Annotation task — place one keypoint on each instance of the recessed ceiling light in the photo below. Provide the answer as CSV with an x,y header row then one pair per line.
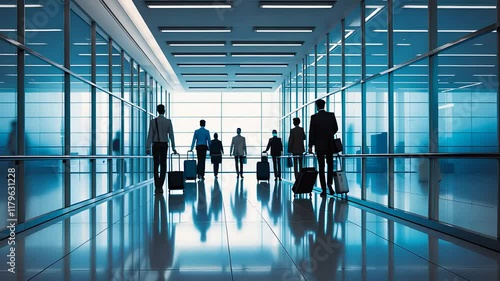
x,y
32,30
187,5
196,43
283,29
467,55
88,43
201,65
208,88
209,81
425,30
199,55
195,29
37,44
403,44
267,43
297,5
263,65
252,88
255,81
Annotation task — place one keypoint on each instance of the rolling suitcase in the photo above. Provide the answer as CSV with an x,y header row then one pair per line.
x,y
340,179
263,172
175,178
176,203
305,182
190,167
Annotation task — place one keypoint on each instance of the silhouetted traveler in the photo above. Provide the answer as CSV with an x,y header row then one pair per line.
x,y
296,145
201,217
161,251
239,150
216,151
276,147
160,130
239,204
322,129
201,138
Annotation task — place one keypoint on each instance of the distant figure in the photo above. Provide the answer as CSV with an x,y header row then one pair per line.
x,y
160,130
239,150
296,145
117,152
239,204
201,138
322,129
216,151
201,217
276,148
161,251
215,202
12,141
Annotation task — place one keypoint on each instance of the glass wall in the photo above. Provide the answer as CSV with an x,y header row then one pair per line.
x,y
67,119
406,97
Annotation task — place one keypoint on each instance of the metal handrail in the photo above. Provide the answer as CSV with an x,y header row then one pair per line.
x,y
394,155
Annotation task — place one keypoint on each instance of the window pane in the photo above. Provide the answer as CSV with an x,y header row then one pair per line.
x,y
9,19
410,31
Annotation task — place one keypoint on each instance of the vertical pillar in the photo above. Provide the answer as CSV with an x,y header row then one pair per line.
x,y
21,115
498,114
433,114
93,114
327,47
110,115
315,71
121,173
390,93
67,103
363,100
342,94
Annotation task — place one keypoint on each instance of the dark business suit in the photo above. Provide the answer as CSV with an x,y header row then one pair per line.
x,y
296,147
322,129
216,151
276,148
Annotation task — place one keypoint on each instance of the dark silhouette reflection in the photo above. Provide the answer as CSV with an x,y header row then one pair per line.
x,y
200,214
216,201
239,203
190,191
176,203
325,248
263,194
161,250
301,218
276,206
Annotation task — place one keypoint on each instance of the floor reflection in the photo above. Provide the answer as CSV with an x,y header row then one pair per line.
x,y
230,229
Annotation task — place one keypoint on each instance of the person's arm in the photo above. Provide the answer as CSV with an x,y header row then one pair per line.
x,y
194,139
335,125
231,147
208,138
171,135
281,145
312,131
245,145
151,133
221,148
290,142
268,145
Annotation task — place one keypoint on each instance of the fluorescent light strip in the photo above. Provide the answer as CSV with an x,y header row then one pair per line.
x,y
195,29
194,55
88,44
26,6
467,55
284,29
373,14
99,55
285,5
37,44
199,44
484,75
33,30
204,75
255,81
261,55
358,44
403,44
258,74
187,5
202,65
449,7
263,65
264,44
425,30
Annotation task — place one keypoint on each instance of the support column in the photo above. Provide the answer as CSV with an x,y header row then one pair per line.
x,y
342,94
327,71
363,100
67,103
390,92
433,114
93,114
21,116
110,115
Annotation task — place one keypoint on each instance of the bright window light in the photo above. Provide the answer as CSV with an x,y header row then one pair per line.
x,y
187,5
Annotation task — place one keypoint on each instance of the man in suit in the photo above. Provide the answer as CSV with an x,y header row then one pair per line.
x,y
276,148
202,139
322,129
160,130
239,150
296,145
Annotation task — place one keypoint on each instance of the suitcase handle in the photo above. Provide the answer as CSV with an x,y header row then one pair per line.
x,y
339,162
264,154
192,154
171,161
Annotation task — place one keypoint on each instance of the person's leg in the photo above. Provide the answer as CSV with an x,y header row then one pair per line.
x,y
275,160
216,169
156,164
163,165
236,165
301,162
198,158
202,159
241,166
295,166
321,168
278,159
329,161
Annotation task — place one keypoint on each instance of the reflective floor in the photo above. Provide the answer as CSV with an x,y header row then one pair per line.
x,y
229,229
